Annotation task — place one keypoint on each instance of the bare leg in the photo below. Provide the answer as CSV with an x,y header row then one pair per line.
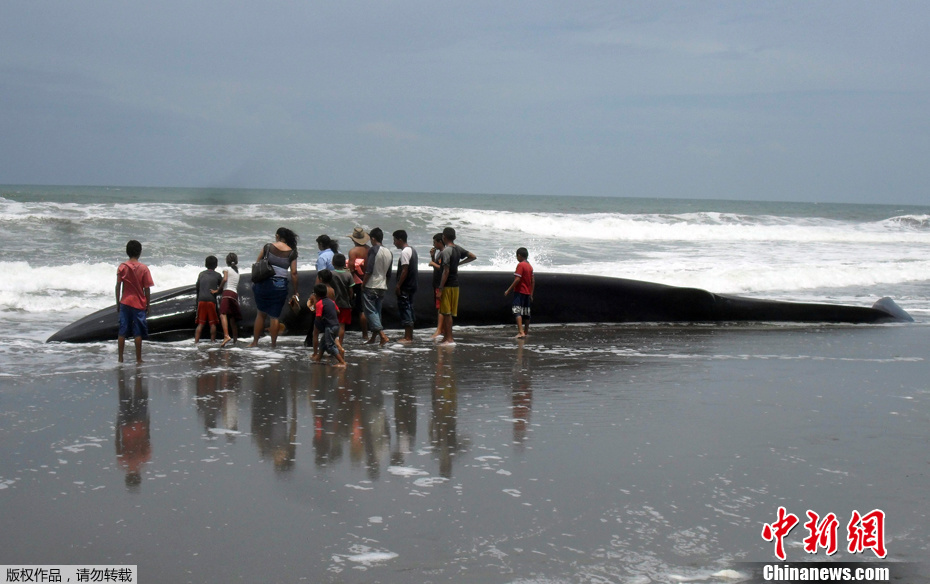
x,y
520,333
447,330
408,335
439,327
363,323
138,342
275,329
121,346
212,333
225,322
258,328
197,332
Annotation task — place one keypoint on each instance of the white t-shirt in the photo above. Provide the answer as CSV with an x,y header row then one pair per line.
x,y
232,280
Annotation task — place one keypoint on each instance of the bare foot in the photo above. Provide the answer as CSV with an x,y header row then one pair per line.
x,y
339,364
252,345
385,340
405,341
225,342
520,336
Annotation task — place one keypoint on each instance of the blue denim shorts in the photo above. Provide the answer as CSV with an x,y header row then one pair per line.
x,y
405,308
132,322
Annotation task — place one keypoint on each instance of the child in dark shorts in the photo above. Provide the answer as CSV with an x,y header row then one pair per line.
x,y
523,286
343,285
327,322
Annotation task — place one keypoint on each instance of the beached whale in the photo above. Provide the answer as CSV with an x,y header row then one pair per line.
x,y
559,298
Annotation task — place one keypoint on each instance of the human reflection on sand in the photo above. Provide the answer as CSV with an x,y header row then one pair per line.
x,y
522,395
349,410
274,417
443,423
366,415
133,428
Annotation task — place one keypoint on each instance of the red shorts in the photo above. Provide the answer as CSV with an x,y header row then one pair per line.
x,y
345,316
206,313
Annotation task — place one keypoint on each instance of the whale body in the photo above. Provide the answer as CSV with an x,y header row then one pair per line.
x,y
558,298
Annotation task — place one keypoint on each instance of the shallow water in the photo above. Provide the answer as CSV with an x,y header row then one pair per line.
x,y
584,454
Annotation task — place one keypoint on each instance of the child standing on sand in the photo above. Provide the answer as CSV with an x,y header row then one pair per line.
x,y
327,321
133,288
344,286
208,284
523,286
435,255
229,303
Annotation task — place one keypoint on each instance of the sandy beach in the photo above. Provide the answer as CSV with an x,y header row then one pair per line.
x,y
583,454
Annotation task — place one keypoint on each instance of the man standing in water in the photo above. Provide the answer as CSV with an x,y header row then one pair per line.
x,y
406,283
377,273
452,257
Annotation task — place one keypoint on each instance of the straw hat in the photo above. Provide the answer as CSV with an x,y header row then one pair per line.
x,y
359,236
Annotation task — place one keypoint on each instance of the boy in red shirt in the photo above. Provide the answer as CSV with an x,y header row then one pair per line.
x,y
133,286
522,286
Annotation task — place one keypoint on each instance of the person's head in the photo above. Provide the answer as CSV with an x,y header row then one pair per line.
x,y
326,242
320,291
437,241
400,238
359,237
287,236
522,254
325,276
339,261
210,262
376,235
133,249
448,235
232,260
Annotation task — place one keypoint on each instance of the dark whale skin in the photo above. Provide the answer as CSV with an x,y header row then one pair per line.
x,y
559,298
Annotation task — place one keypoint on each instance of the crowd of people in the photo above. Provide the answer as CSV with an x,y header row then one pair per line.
x,y
347,287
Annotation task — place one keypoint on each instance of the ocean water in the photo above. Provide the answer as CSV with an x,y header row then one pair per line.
x,y
62,244
639,453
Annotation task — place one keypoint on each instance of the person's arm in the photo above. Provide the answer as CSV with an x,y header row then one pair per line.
x,y
148,299
470,257
402,275
516,280
119,289
445,276
532,286
222,283
294,280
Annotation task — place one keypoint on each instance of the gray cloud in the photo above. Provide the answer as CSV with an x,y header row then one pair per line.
x,y
818,101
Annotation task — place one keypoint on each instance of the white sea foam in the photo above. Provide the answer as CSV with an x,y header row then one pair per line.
x,y
764,254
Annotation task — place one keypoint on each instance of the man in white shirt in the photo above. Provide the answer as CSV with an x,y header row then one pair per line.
x,y
374,285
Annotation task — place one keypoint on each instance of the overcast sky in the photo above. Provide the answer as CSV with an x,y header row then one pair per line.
x,y
809,101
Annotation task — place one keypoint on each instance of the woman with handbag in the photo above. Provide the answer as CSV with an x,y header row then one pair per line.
x,y
271,292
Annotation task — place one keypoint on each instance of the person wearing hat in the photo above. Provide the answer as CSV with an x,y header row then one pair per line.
x,y
356,264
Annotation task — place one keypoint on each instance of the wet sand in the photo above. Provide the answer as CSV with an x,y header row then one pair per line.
x,y
582,454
